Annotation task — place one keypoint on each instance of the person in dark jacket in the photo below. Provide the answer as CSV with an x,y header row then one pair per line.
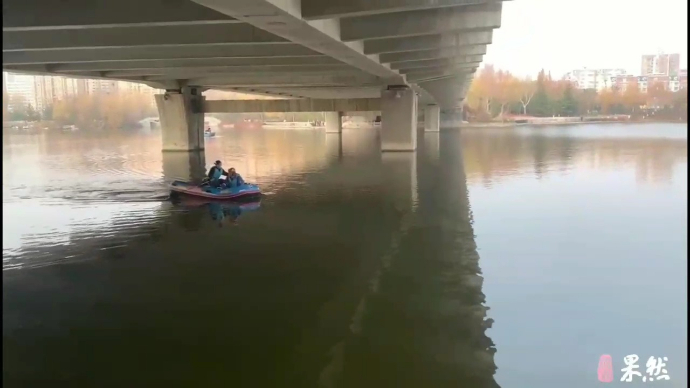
x,y
214,174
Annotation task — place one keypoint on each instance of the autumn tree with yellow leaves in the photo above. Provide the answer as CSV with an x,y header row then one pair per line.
x,y
495,93
110,111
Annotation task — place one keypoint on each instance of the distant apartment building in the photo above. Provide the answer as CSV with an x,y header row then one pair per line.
x,y
132,87
660,65
20,89
597,79
99,86
102,86
670,83
624,82
49,89
41,91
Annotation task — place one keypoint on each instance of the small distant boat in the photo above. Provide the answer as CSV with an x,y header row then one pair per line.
x,y
245,191
209,134
70,128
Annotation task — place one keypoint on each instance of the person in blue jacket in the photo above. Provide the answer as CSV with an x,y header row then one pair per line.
x,y
214,174
234,179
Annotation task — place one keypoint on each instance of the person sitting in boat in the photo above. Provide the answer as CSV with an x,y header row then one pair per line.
x,y
215,173
208,130
234,179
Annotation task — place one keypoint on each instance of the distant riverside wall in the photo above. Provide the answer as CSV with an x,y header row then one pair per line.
x,y
620,119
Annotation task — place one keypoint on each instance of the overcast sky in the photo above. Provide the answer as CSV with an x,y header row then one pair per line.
x,y
562,35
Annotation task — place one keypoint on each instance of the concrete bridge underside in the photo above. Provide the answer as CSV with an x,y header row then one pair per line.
x,y
424,51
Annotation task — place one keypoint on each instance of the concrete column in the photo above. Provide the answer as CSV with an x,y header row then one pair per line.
x,y
451,119
432,118
186,166
334,122
416,112
182,119
399,119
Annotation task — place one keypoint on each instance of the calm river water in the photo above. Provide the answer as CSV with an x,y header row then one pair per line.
x,y
491,257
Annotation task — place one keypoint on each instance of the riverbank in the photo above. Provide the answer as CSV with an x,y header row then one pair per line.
x,y
563,123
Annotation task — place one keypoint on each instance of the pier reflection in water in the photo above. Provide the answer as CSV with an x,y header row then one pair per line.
x,y
422,321
358,269
334,146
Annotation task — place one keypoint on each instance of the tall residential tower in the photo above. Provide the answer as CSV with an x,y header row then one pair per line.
x,y
660,64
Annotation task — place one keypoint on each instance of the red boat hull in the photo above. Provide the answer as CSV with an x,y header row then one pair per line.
x,y
243,192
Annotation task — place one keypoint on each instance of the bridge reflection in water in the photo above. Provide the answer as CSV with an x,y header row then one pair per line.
x,y
420,320
361,273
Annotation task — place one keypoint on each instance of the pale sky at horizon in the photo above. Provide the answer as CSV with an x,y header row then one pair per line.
x,y
563,35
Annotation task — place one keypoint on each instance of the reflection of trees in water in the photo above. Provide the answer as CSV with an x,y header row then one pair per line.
x,y
539,149
655,165
491,155
254,153
7,148
88,153
264,153
565,150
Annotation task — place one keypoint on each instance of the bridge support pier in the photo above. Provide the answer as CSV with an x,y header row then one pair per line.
x,y
186,166
452,119
432,118
334,122
398,119
182,119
